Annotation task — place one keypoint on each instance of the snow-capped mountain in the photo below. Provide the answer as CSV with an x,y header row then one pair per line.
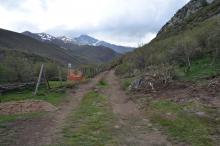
x,y
46,37
88,40
63,41
68,42
40,36
66,39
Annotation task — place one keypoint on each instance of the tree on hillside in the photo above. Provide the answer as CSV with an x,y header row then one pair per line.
x,y
214,43
184,51
17,69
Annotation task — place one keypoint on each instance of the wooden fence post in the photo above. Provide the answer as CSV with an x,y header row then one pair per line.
x,y
45,78
39,79
60,76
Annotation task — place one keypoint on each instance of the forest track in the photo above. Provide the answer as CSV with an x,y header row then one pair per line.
x,y
46,129
132,125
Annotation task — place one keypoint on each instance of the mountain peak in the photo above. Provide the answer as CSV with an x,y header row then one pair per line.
x,y
86,40
26,32
46,37
85,36
66,39
83,39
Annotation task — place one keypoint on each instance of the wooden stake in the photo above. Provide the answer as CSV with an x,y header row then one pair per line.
x,y
39,79
60,76
45,78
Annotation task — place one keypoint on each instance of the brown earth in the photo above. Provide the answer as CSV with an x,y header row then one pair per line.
x,y
132,128
26,106
207,93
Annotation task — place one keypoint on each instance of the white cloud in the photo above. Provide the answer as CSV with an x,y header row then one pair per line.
x,y
123,21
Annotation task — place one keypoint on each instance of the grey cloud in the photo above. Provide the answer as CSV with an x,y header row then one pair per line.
x,y
126,26
11,4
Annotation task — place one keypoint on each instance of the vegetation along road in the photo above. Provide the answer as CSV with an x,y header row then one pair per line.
x,y
101,112
96,113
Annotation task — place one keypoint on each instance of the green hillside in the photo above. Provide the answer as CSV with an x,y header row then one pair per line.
x,y
181,42
21,57
19,42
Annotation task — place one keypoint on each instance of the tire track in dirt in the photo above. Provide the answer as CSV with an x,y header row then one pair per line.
x,y
46,130
131,127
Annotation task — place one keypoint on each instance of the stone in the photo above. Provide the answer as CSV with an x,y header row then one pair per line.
x,y
200,114
210,1
190,8
116,126
149,125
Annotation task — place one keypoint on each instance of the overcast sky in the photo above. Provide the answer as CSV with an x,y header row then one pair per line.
x,y
125,22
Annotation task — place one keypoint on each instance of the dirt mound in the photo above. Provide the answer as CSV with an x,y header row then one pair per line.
x,y
26,106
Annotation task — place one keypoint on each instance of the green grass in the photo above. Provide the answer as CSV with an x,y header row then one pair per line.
x,y
126,83
91,124
51,96
200,69
102,84
58,84
181,125
11,118
5,119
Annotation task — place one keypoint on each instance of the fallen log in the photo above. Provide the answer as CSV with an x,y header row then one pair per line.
x,y
15,86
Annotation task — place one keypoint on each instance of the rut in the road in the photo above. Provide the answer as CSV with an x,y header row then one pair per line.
x,y
132,125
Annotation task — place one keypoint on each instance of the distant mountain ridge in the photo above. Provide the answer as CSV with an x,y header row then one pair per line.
x,y
81,40
88,40
55,49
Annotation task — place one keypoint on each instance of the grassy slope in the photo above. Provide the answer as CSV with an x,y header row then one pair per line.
x,y
201,69
171,46
183,125
19,42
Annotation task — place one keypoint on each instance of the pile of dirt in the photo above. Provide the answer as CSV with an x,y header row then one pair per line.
x,y
182,92
25,106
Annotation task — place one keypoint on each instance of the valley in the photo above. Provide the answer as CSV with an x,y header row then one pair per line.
x,y
92,114
95,93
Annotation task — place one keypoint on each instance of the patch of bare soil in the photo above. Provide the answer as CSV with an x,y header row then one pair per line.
x,y
132,128
207,93
46,129
25,106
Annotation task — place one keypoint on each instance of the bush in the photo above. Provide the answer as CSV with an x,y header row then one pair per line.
x,y
124,69
18,67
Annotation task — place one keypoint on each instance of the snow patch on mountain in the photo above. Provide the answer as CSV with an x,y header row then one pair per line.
x,y
46,37
81,40
66,39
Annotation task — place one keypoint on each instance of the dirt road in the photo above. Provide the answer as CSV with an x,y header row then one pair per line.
x,y
132,128
45,130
